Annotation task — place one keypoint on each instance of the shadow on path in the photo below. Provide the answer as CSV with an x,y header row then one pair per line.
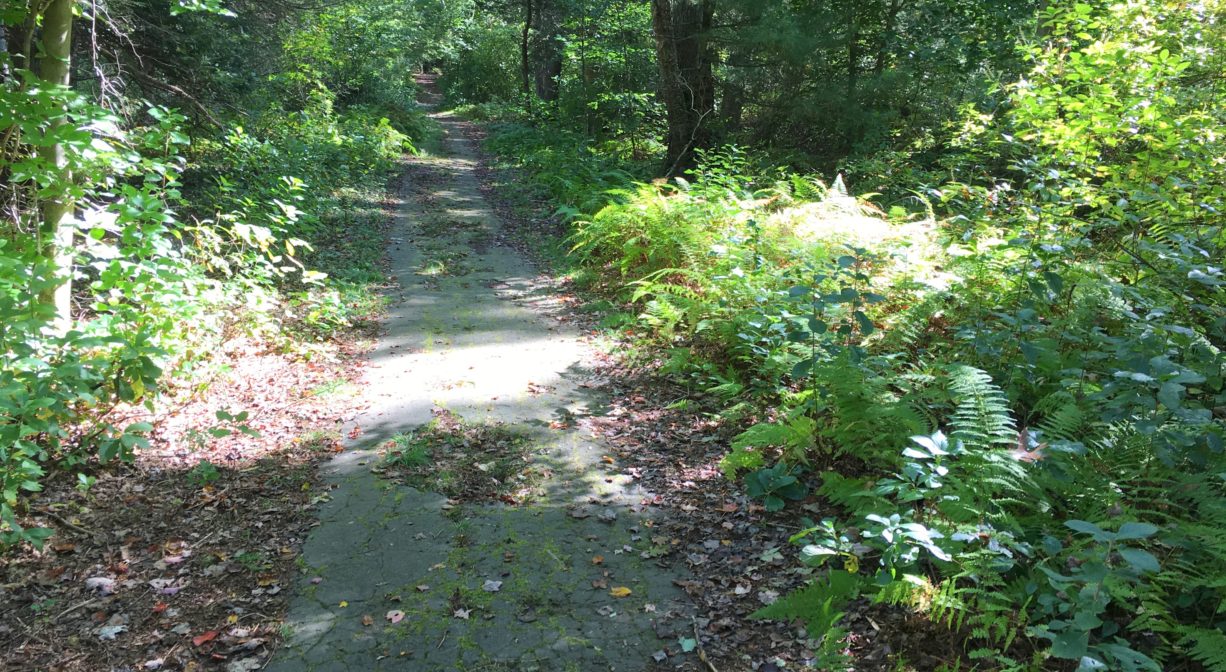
x,y
469,331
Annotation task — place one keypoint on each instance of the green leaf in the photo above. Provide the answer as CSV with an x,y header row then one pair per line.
x,y
1136,531
1071,644
1140,560
866,325
1054,281
1086,527
37,536
1171,395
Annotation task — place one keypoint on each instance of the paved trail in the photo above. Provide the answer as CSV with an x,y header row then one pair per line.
x,y
469,331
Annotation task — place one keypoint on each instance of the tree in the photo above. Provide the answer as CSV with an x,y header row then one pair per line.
x,y
525,63
547,49
55,229
687,86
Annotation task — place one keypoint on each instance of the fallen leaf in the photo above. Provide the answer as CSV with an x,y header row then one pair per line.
x,y
620,591
368,620
215,570
395,616
344,603
422,588
108,633
244,665
232,619
598,560
462,613
204,638
102,584
491,586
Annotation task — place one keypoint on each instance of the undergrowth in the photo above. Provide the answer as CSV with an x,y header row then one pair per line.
x,y
1022,380
269,222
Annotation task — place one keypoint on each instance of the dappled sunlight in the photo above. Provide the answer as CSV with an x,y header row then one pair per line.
x,y
477,390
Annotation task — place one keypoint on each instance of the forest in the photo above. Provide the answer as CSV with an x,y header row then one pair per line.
x,y
899,327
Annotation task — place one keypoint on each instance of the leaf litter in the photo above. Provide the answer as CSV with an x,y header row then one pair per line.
x,y
177,560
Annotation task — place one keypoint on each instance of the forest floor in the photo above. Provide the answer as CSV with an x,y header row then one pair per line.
x,y
489,485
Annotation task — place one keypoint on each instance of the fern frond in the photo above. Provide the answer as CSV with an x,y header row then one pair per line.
x,y
1207,647
1062,417
981,418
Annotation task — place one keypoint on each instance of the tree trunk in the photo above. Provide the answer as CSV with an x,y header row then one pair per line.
x,y
547,49
853,54
19,41
55,232
547,74
687,86
732,107
524,54
887,36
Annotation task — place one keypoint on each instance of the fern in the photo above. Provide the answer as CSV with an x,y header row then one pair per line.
x,y
1207,646
947,605
981,418
794,436
1062,417
818,604
866,417
854,494
806,188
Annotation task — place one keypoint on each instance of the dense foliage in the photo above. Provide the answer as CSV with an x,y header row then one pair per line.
x,y
178,228
1002,374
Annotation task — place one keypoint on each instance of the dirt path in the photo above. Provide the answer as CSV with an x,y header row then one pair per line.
x,y
472,583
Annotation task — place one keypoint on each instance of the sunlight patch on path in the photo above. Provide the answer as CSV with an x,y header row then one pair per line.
x,y
466,332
